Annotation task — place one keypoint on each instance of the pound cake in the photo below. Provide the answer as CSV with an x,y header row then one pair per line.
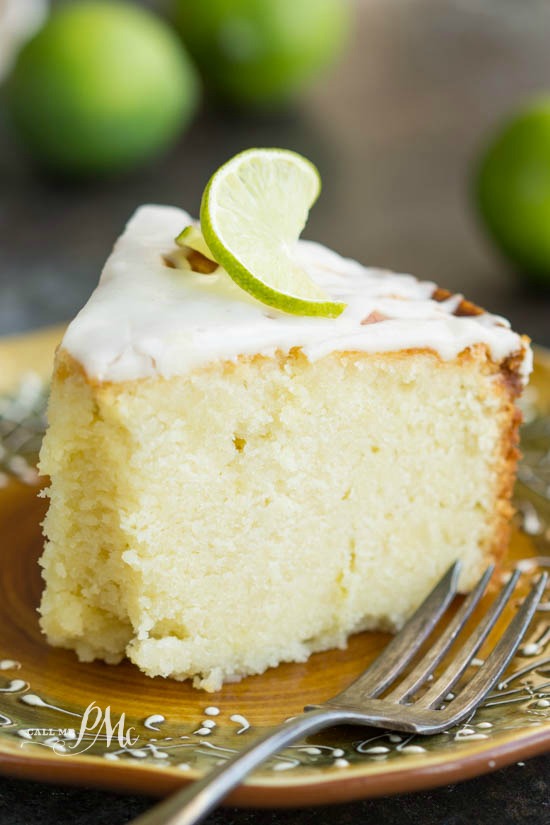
x,y
233,486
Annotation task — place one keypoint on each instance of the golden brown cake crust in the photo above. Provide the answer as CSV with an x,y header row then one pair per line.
x,y
506,470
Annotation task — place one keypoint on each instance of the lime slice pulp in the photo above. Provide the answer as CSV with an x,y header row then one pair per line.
x,y
252,213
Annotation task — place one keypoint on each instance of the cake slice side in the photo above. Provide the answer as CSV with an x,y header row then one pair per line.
x,y
83,603
214,524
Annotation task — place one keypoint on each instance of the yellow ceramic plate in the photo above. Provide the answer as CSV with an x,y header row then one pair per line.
x,y
179,733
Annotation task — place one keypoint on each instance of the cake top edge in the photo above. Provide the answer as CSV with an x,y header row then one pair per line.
x,y
148,318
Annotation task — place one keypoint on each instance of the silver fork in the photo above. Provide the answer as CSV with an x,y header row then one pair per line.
x,y
358,704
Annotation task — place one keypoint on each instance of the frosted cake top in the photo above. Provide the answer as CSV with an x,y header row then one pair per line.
x,y
146,318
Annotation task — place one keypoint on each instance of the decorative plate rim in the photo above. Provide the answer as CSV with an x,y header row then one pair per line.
x,y
353,785
325,785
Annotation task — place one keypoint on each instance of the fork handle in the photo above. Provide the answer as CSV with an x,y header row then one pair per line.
x,y
192,804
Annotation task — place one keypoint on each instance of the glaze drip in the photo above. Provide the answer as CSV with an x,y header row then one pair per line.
x,y
146,318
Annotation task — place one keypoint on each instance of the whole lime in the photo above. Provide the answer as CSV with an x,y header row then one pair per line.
x,y
261,52
513,190
101,87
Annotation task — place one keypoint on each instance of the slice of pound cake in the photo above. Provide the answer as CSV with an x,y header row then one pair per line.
x,y
233,486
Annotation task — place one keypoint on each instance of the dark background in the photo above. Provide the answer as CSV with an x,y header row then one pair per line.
x,y
395,130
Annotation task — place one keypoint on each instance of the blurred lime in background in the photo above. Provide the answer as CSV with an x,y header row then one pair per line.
x,y
101,87
261,52
513,190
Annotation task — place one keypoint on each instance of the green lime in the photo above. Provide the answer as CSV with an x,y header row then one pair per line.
x,y
261,52
101,87
513,190
252,212
193,238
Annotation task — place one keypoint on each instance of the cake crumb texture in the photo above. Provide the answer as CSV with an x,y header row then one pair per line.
x,y
214,524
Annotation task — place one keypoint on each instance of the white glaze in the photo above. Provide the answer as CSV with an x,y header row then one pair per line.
x,y
531,649
146,319
35,701
153,721
240,720
14,686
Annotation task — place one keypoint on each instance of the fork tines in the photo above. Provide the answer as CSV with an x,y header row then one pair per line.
x,y
384,673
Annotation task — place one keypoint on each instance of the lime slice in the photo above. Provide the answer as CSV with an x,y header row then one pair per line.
x,y
252,212
192,237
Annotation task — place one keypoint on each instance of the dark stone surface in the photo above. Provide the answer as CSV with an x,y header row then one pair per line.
x,y
395,131
519,795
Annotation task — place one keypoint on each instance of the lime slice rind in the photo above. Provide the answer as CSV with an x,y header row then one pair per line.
x,y
192,237
252,212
